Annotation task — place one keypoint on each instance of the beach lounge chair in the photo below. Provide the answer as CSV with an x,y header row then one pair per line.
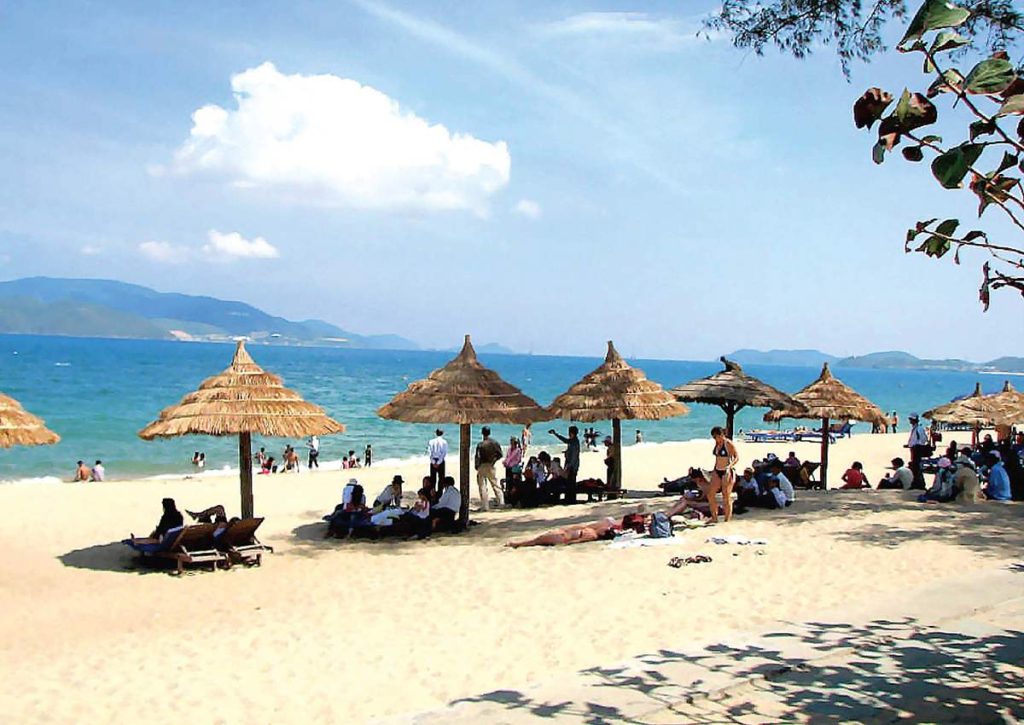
x,y
238,540
840,430
195,545
595,487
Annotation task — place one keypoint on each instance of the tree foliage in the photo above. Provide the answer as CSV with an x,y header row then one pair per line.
x,y
987,100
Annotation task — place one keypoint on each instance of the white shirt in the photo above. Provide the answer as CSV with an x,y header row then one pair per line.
x,y
97,472
904,475
450,499
387,497
787,488
346,493
437,448
314,444
918,436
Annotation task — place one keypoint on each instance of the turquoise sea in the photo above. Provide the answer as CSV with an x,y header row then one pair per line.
x,y
97,394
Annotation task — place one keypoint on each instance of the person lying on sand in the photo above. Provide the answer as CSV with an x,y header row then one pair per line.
x,y
581,533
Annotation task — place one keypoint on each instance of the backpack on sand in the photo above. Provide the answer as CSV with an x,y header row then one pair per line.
x,y
661,526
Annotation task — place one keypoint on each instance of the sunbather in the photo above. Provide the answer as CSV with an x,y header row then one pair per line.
x,y
171,519
578,534
723,478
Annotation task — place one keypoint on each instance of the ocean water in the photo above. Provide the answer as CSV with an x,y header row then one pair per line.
x,y
97,394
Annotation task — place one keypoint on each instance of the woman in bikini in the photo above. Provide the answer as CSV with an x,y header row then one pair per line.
x,y
578,534
723,478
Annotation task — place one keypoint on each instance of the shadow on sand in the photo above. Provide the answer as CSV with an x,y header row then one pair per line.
x,y
114,556
887,671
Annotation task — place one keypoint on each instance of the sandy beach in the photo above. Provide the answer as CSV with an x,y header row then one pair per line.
x,y
361,631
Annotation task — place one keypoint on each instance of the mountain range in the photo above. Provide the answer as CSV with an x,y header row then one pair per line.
x,y
892,359
107,308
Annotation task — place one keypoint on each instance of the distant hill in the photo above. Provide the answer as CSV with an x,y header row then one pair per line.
x,y
107,308
890,360
798,358
489,348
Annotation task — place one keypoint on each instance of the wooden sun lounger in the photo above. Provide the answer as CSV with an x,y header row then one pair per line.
x,y
239,541
194,545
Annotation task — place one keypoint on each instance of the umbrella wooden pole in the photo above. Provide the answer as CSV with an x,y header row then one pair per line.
x,y
617,443
824,454
464,432
731,409
245,473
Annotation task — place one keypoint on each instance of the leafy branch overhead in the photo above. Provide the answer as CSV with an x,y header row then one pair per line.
x,y
991,95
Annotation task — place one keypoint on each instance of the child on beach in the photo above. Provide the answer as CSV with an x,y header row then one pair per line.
x,y
854,478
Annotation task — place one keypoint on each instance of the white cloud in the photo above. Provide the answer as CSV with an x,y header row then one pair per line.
x,y
164,252
657,33
331,140
233,245
90,251
528,208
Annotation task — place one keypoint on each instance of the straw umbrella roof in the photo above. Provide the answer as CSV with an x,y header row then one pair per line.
x,y
976,409
733,386
242,399
615,390
828,397
18,427
1010,403
463,392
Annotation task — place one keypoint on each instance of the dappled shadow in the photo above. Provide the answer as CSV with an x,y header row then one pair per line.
x,y
821,673
114,556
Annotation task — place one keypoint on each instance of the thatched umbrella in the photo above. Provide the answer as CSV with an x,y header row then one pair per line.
x,y
1010,403
828,398
463,392
616,391
732,390
976,409
18,427
242,400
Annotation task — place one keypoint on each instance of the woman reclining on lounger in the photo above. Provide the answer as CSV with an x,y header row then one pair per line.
x,y
578,534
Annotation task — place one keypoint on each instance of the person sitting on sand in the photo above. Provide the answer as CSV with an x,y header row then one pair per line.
x,y
98,473
446,511
350,515
171,519
576,534
783,483
390,497
82,473
792,461
854,478
998,486
269,466
417,519
943,489
966,481
900,478
748,492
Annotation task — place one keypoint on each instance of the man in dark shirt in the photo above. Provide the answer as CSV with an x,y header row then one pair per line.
x,y
572,460
171,519
488,452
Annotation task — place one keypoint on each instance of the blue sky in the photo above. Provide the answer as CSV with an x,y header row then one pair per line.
x,y
547,175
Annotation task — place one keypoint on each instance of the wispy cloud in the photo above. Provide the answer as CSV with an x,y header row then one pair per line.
x,y
90,250
163,252
233,245
514,72
528,208
640,29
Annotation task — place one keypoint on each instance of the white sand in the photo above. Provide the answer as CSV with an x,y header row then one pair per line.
x,y
350,631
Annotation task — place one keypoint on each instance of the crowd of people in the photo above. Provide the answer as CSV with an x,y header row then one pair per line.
x,y
435,508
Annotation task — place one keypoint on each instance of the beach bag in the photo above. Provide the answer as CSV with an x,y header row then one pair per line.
x,y
661,526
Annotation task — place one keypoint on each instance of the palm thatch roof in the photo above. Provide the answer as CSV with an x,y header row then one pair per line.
x,y
463,392
828,397
18,427
976,409
735,387
1010,403
615,390
242,399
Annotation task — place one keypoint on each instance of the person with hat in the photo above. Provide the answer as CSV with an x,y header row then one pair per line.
x,y
391,496
920,447
437,449
944,487
998,486
965,480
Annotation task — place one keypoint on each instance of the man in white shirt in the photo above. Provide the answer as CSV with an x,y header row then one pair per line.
x,y
901,477
391,496
313,444
98,472
920,447
785,485
445,512
437,449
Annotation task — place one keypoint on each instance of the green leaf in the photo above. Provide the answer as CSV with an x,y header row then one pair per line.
x,y
990,76
951,81
947,227
934,14
934,246
878,152
982,128
948,40
951,167
913,153
1008,161
914,111
1012,106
